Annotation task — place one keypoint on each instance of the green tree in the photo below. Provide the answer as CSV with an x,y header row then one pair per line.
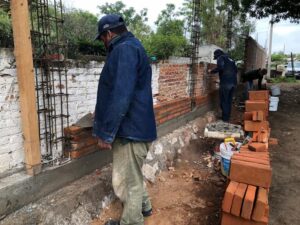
x,y
241,28
214,16
80,28
5,29
164,46
278,58
169,39
80,25
278,9
136,22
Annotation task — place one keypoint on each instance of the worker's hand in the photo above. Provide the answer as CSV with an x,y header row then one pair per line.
x,y
209,71
103,145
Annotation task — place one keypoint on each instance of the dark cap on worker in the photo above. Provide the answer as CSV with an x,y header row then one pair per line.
x,y
108,22
218,53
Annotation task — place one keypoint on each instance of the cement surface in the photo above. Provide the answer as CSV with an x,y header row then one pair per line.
x,y
76,203
20,189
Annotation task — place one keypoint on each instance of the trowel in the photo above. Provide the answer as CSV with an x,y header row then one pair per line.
x,y
86,121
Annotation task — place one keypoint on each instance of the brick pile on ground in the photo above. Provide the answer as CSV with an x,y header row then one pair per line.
x,y
80,142
246,197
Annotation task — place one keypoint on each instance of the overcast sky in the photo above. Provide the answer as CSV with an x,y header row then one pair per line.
x,y
286,36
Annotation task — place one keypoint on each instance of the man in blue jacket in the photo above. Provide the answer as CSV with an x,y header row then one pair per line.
x,y
227,70
124,116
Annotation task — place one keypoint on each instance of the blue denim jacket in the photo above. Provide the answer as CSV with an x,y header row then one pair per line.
x,y
227,70
124,105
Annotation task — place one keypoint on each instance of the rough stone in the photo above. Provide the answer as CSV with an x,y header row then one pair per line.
x,y
158,149
149,172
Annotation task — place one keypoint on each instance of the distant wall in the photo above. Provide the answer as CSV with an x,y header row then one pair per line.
x,y
255,55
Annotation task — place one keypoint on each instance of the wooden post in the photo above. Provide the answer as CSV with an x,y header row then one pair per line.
x,y
25,71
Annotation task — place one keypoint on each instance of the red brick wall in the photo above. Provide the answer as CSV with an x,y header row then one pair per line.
x,y
173,98
172,109
255,55
205,83
172,81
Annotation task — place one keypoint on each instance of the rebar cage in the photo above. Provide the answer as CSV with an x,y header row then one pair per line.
x,y
49,53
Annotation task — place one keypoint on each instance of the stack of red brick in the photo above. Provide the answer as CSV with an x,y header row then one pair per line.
x,y
172,109
80,142
246,198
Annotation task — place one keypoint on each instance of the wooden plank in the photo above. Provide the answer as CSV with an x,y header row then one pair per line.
x,y
25,72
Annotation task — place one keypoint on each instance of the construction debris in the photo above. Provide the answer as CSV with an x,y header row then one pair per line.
x,y
222,130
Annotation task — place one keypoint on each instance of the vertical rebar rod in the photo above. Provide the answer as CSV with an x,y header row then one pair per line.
x,y
195,39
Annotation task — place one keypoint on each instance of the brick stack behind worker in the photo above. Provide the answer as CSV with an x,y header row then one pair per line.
x,y
246,197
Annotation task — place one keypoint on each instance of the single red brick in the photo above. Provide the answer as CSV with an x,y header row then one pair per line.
x,y
259,95
265,219
248,202
238,199
257,105
254,155
254,115
255,126
247,150
251,159
250,173
261,116
228,197
72,130
81,136
261,205
262,136
258,147
82,152
84,143
247,115
228,219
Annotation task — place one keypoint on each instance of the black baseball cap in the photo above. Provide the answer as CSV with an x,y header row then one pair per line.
x,y
108,22
218,53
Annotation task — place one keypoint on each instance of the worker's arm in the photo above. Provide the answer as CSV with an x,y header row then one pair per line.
x,y
220,66
123,69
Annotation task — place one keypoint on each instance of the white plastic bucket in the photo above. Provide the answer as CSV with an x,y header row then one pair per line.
x,y
273,104
275,90
226,153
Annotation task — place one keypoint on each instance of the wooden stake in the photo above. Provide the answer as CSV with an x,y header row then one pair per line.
x,y
25,71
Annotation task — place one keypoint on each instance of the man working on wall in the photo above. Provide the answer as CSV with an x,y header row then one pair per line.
x,y
124,116
227,70
250,76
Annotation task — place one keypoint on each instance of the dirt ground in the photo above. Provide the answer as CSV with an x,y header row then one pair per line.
x,y
285,189
190,193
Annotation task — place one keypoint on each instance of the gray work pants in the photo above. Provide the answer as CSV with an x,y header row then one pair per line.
x,y
128,181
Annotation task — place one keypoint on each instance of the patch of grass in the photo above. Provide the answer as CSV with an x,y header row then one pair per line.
x,y
283,80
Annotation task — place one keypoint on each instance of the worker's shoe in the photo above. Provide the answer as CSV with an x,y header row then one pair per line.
x,y
147,213
112,222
